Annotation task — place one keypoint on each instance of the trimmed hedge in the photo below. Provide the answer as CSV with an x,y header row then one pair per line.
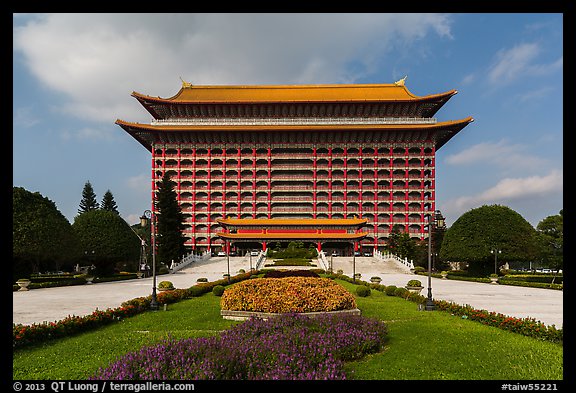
x,y
290,273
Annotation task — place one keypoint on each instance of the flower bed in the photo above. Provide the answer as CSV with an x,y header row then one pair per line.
x,y
290,347
287,295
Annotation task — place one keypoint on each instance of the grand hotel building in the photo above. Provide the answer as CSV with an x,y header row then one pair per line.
x,y
336,165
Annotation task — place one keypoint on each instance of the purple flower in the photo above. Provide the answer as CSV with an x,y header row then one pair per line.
x,y
288,347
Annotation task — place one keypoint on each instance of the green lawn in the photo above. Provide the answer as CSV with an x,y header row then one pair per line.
x,y
422,345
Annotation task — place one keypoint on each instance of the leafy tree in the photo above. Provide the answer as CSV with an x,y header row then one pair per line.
x,y
88,201
170,223
42,238
551,240
478,231
108,202
109,237
400,244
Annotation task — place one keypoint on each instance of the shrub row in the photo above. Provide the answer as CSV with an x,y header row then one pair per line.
x,y
288,294
525,326
289,347
290,273
24,335
532,281
38,282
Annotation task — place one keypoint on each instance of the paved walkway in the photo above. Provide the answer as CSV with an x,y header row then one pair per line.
x,y
53,304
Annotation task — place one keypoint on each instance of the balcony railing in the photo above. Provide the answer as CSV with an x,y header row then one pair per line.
x,y
295,121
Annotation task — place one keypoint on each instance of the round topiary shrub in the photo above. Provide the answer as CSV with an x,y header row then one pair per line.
x,y
401,292
414,283
362,291
165,285
218,290
390,290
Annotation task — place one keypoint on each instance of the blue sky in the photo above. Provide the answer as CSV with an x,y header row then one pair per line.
x,y
73,75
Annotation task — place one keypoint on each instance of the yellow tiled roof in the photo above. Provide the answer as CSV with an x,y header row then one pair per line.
x,y
293,93
296,236
264,222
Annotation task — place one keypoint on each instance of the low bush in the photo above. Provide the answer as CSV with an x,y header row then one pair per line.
x,y
525,326
390,289
401,292
363,291
218,290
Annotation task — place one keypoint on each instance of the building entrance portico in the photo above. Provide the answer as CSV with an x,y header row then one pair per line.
x,y
338,233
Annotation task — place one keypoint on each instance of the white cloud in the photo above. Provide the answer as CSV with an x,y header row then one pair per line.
x,y
512,189
519,61
97,60
25,117
139,182
536,94
503,154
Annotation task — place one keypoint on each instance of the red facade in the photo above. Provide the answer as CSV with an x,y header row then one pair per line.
x,y
320,164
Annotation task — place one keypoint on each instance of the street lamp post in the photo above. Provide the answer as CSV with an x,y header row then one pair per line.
x,y
354,263
227,245
437,220
496,251
147,215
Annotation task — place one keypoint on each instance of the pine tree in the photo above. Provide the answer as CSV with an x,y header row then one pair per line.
x,y
170,223
88,201
108,202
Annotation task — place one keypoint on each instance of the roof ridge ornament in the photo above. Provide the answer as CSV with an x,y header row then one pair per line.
x,y
185,84
401,81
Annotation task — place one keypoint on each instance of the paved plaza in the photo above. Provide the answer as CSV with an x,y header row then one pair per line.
x,y
53,304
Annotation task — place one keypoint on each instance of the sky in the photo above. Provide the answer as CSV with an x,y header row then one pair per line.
x,y
73,75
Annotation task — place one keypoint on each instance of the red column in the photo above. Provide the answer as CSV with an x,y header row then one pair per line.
x,y
178,175
314,180
269,154
209,201
329,182
433,178
391,188
194,197
153,184
239,180
224,182
360,180
253,182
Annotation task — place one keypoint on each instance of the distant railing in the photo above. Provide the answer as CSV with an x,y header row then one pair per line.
x,y
261,259
188,260
409,264
297,120
322,260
